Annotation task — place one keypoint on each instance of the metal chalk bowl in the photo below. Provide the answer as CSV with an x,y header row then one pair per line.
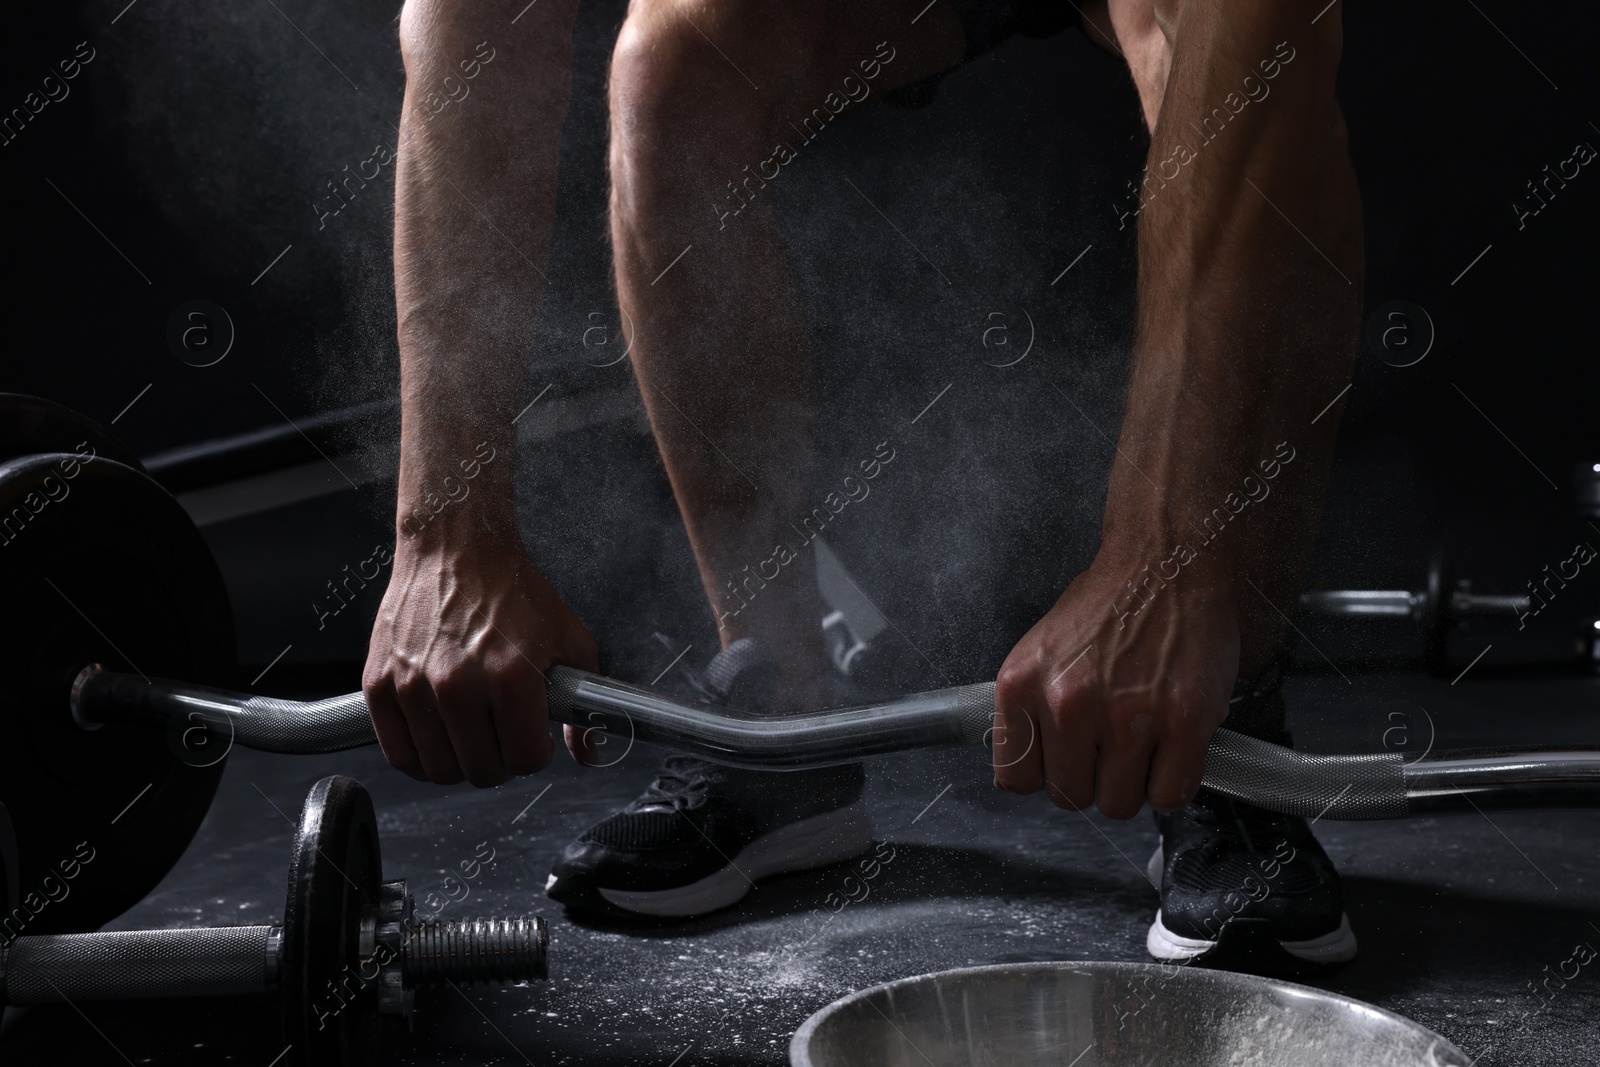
x,y
1109,1015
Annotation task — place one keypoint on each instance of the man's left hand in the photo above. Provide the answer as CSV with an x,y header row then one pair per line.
x,y
1113,696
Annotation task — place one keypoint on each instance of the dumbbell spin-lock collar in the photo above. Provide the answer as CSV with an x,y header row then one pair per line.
x,y
1376,786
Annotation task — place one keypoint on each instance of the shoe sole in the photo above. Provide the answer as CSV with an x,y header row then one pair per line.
x,y
1337,946
823,839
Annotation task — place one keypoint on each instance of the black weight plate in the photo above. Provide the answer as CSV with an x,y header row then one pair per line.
x,y
30,425
329,994
1438,620
98,564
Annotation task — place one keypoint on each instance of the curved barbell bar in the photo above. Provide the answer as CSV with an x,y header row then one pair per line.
x,y
1375,786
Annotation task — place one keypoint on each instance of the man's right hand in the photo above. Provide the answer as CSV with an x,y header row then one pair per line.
x,y
454,677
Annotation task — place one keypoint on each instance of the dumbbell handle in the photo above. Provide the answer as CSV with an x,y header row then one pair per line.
x,y
1376,786
213,961
219,961
1403,604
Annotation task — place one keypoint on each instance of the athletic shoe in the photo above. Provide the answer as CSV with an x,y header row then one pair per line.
x,y
1247,889
701,835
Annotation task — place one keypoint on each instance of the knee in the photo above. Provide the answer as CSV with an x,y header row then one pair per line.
x,y
1264,38
672,89
430,29
1270,30
439,35
681,113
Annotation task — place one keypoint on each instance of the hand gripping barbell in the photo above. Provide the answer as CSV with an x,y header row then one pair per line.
x,y
348,952
111,590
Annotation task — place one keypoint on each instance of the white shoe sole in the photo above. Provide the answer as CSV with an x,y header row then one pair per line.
x,y
1339,946
815,842
1336,947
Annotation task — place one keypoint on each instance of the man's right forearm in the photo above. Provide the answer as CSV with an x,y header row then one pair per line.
x,y
475,194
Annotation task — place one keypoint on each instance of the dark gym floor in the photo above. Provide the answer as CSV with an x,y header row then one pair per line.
x,y
1460,918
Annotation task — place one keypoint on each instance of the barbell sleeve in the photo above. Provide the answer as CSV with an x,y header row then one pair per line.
x,y
1344,787
292,727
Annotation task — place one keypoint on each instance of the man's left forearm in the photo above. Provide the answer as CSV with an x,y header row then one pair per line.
x,y
1249,291
1250,257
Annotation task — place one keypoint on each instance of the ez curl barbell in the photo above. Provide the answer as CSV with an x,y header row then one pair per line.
x,y
112,591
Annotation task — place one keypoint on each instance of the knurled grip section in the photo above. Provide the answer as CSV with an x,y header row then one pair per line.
x,y
1306,783
1260,773
560,689
975,707
330,725
135,964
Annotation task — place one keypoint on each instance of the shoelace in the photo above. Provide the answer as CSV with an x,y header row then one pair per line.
x,y
1260,830
681,782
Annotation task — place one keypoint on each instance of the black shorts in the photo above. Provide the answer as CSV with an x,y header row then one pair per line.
x,y
987,23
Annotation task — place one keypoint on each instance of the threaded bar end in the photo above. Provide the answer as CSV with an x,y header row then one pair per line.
x,y
473,950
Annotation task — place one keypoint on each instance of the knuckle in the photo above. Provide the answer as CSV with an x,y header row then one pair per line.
x,y
375,675
1064,692
1134,724
1190,701
1012,684
516,672
411,688
1188,734
451,688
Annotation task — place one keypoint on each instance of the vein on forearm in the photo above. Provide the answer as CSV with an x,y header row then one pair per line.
x,y
1219,268
474,212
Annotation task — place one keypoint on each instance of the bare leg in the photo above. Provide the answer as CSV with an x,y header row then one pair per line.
x,y
719,344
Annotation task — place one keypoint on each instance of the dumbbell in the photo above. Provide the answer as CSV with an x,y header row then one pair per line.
x,y
345,962
1444,601
1447,599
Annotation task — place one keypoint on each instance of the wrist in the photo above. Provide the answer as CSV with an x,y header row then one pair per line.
x,y
465,495
454,530
471,517
1160,554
